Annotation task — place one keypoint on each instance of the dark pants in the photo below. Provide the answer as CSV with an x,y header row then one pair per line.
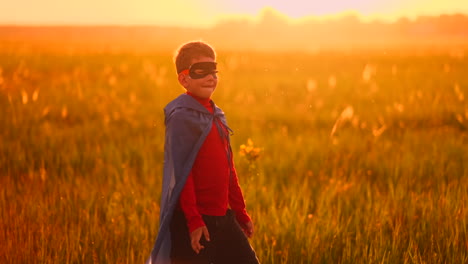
x,y
228,243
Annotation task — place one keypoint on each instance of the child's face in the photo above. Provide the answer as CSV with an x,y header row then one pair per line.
x,y
201,87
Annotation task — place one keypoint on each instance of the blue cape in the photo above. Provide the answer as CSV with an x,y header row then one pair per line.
x,y
187,125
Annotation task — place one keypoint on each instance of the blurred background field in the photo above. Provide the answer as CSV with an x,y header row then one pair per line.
x,y
345,156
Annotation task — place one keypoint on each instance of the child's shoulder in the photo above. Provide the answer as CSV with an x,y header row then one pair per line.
x,y
183,107
180,101
183,101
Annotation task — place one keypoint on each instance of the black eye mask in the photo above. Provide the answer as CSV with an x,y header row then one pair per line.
x,y
202,69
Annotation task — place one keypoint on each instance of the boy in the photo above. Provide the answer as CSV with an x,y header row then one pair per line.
x,y
203,217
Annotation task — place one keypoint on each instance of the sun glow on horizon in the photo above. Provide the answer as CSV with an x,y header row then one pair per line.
x,y
206,13
387,10
296,9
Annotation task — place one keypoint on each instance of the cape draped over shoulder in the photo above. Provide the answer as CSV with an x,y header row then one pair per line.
x,y
187,125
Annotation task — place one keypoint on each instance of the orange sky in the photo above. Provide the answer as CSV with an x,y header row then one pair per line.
x,y
203,13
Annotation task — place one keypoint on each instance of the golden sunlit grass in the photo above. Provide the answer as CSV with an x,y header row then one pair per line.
x,y
344,157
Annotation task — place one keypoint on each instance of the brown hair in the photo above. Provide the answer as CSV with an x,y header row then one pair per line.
x,y
191,50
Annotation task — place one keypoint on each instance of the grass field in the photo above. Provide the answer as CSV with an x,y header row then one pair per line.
x,y
363,156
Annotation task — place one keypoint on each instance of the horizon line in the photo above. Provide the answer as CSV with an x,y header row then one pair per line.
x,y
255,19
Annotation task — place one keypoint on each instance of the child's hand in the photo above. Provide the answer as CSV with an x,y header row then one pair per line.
x,y
248,229
195,237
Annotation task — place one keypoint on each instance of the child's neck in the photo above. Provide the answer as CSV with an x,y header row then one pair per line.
x,y
204,101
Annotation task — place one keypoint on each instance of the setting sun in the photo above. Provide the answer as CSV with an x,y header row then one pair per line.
x,y
205,13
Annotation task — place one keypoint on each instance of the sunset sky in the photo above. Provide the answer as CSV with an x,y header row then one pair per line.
x,y
204,13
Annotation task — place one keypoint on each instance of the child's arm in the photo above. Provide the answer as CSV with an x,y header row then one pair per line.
x,y
237,203
195,223
188,203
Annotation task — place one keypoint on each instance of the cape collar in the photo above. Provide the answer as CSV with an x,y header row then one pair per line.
x,y
187,101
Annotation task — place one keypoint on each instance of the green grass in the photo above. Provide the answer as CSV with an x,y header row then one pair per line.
x,y
81,154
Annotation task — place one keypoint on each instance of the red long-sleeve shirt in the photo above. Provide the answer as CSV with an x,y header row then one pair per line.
x,y
212,185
